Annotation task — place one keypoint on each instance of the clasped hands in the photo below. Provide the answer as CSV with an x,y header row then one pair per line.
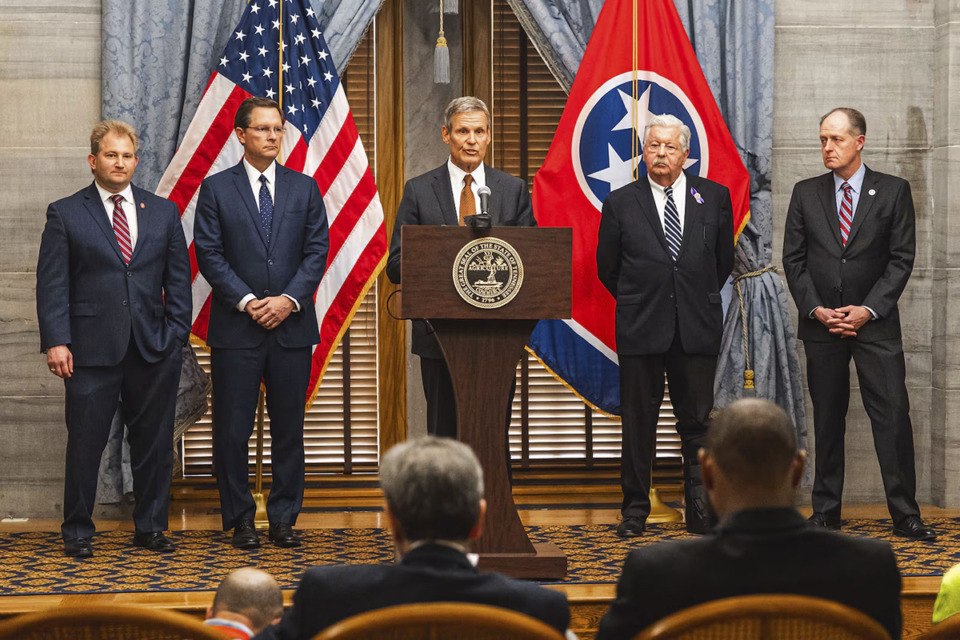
x,y
843,321
269,312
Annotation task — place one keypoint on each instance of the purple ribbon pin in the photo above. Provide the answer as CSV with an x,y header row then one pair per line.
x,y
696,196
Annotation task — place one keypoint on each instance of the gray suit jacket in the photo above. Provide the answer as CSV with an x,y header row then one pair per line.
x,y
871,270
428,199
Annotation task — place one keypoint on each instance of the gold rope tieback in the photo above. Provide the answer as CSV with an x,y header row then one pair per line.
x,y
747,371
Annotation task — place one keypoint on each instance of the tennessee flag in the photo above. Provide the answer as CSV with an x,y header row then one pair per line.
x,y
594,151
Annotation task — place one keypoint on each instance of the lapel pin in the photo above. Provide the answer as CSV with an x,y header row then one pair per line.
x,y
872,192
696,196
143,206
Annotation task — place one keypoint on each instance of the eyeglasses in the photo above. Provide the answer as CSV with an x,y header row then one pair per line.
x,y
266,130
668,147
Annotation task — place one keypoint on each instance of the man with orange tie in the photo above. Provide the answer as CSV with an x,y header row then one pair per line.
x,y
446,196
113,304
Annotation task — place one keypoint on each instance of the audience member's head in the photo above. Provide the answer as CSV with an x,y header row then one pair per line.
x,y
248,596
750,458
434,491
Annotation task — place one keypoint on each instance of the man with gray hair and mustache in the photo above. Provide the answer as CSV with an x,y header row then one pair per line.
x,y
664,250
434,503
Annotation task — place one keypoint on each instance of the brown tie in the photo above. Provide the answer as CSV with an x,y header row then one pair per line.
x,y
468,206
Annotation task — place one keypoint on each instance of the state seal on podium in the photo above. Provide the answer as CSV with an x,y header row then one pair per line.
x,y
487,273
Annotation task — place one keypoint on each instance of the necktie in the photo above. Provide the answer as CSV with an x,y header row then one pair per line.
x,y
468,206
266,208
671,224
121,228
846,212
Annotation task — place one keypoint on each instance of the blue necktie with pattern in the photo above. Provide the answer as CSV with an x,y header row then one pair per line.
x,y
266,208
671,224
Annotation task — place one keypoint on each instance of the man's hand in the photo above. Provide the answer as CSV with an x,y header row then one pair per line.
x,y
60,361
844,321
270,312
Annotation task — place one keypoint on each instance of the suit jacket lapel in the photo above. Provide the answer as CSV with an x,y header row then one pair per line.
x,y
864,204
444,193
242,183
828,201
649,209
99,214
279,201
143,221
493,181
691,216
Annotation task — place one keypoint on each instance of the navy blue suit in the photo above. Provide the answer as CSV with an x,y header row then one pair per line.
x,y
431,573
125,326
234,256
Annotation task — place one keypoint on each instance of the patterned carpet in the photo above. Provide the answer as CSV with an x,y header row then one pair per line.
x,y
33,563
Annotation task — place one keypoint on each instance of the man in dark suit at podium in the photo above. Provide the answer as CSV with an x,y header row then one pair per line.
x,y
664,250
113,302
848,250
261,242
433,489
445,196
751,468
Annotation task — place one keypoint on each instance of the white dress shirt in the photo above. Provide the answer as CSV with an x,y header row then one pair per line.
x,y
456,183
679,198
129,207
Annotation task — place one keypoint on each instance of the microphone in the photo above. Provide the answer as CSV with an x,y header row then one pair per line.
x,y
482,219
484,193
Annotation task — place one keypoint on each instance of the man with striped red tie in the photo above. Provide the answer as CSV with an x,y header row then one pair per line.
x,y
848,250
113,304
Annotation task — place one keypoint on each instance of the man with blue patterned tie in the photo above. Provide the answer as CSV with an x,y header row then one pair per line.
x,y
848,250
664,250
261,241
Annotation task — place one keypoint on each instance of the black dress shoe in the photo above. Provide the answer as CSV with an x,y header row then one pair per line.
x,y
155,541
631,527
913,527
245,536
283,536
78,548
822,521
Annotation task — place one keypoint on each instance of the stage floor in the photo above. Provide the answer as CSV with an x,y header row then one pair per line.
x,y
589,598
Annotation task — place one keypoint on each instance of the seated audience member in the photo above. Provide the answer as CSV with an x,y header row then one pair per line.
x,y
434,504
247,601
751,469
948,598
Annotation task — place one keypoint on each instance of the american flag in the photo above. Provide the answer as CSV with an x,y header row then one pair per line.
x,y
321,140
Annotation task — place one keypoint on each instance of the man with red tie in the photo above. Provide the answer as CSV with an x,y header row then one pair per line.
x,y
848,250
113,304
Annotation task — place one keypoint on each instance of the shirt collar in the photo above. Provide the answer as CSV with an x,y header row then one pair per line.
x,y
254,174
678,185
855,181
230,624
105,195
457,174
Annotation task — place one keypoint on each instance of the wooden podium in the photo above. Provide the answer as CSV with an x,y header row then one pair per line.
x,y
482,347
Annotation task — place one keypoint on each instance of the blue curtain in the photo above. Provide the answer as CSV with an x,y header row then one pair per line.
x,y
733,40
158,56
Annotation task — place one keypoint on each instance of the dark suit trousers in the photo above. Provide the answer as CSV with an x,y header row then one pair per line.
x,y
147,395
236,375
881,372
641,394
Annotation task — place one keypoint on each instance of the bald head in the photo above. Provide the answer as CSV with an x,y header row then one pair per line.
x,y
751,452
250,593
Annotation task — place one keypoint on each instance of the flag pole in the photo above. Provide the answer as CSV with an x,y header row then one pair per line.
x,y
659,512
